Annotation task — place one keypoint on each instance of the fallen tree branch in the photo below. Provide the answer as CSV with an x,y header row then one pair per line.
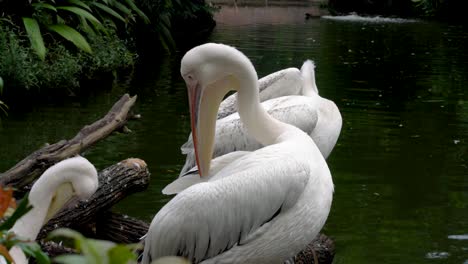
x,y
31,167
115,183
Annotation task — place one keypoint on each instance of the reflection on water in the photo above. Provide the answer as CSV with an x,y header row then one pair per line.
x,y
400,165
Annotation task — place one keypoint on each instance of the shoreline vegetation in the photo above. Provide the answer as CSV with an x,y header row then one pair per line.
x,y
52,47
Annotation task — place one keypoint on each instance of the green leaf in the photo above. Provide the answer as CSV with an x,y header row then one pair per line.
x,y
44,5
121,254
1,85
68,233
80,12
35,251
80,3
82,244
122,8
71,35
71,259
3,107
86,27
21,210
35,37
138,11
109,10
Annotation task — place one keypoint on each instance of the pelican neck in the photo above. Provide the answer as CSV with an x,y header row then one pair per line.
x,y
258,123
40,197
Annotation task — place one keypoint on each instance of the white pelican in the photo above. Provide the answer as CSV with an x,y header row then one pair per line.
x,y
71,177
313,114
265,206
281,83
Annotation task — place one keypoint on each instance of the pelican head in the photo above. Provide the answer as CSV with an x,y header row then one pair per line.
x,y
57,185
210,71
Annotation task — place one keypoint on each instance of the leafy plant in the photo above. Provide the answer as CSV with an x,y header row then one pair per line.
x,y
23,70
164,13
67,18
95,251
429,7
3,106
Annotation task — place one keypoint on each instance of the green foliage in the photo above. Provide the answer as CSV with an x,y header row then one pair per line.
x,y
95,251
164,12
21,69
33,250
71,19
35,36
441,9
114,56
3,106
428,7
71,35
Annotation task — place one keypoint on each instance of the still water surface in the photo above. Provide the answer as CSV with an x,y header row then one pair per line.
x,y
400,165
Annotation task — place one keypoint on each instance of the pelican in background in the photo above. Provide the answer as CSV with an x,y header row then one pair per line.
x,y
281,83
57,185
265,206
313,114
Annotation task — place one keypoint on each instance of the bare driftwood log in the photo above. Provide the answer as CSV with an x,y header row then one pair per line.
x,y
115,183
31,167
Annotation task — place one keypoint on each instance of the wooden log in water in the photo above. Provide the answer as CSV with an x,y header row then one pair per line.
x,y
120,228
323,248
31,167
115,183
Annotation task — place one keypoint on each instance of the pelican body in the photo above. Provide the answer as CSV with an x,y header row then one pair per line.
x,y
264,206
313,114
71,177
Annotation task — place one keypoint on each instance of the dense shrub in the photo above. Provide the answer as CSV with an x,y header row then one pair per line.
x,y
63,66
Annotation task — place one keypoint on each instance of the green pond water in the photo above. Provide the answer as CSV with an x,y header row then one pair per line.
x,y
400,164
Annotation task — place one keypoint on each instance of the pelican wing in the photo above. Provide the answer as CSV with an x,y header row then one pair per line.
x,y
280,83
192,176
228,211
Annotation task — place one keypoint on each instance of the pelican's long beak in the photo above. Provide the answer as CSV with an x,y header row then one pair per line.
x,y
204,104
63,194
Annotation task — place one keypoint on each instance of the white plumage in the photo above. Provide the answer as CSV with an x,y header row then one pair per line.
x,y
313,114
71,177
263,206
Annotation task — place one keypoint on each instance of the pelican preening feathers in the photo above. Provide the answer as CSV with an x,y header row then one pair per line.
x,y
290,96
71,177
262,206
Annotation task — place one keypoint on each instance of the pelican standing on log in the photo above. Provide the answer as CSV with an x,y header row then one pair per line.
x,y
57,185
263,207
313,114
